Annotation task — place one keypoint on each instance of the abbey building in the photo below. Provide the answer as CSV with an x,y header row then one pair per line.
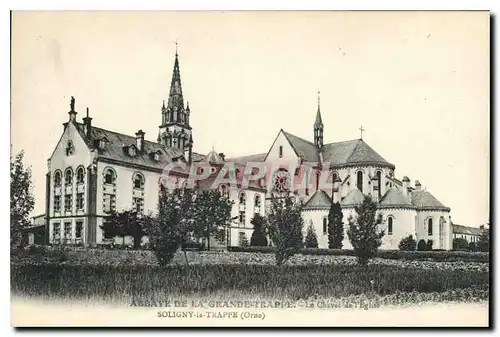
x,y
93,172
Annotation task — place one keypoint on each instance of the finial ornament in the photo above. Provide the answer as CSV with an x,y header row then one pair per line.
x,y
72,104
361,129
318,97
176,44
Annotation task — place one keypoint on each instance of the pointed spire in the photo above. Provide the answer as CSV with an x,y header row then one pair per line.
x,y
175,99
318,123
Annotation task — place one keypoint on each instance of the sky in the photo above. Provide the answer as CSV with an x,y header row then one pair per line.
x,y
418,83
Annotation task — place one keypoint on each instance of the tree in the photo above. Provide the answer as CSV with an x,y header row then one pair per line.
x,y
472,247
429,244
126,223
311,240
483,244
211,215
460,244
172,226
285,227
259,231
421,246
335,226
407,243
364,230
22,201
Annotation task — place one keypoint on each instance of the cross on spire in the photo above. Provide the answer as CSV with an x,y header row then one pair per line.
x,y
361,129
176,44
318,97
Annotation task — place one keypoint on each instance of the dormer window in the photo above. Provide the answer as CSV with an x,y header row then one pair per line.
x,y
132,151
101,143
156,156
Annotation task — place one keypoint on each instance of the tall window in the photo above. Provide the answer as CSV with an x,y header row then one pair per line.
x,y
68,202
379,183
109,196
256,205
80,201
223,190
80,175
441,232
79,231
359,180
429,227
389,225
67,232
138,205
325,226
57,178
56,233
57,203
243,198
242,207
281,151
68,177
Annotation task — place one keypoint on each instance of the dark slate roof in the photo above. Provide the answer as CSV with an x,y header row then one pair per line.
x,y
319,200
255,158
114,149
355,197
196,157
346,153
459,229
303,148
426,201
352,152
394,198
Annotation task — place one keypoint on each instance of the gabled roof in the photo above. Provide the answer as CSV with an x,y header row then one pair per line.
x,y
424,200
114,149
319,200
253,158
303,148
354,198
352,152
459,229
395,198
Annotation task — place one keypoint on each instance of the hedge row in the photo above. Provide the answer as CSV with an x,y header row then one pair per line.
x,y
436,255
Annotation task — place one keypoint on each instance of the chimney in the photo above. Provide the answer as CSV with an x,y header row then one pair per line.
x,y
418,186
139,135
87,124
406,185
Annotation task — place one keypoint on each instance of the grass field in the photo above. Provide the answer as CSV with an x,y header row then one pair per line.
x,y
285,282
121,276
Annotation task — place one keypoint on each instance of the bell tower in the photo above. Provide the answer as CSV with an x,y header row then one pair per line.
x,y
175,130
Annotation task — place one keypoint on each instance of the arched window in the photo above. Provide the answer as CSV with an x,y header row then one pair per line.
x,y
242,198
57,178
325,226
223,190
68,177
389,225
80,175
429,227
359,180
138,181
379,183
257,201
109,176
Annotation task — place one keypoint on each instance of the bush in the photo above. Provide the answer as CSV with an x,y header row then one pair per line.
x,y
407,243
421,246
435,255
364,230
460,244
259,231
472,247
429,244
311,239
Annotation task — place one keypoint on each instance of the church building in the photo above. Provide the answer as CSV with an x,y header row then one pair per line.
x,y
94,171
